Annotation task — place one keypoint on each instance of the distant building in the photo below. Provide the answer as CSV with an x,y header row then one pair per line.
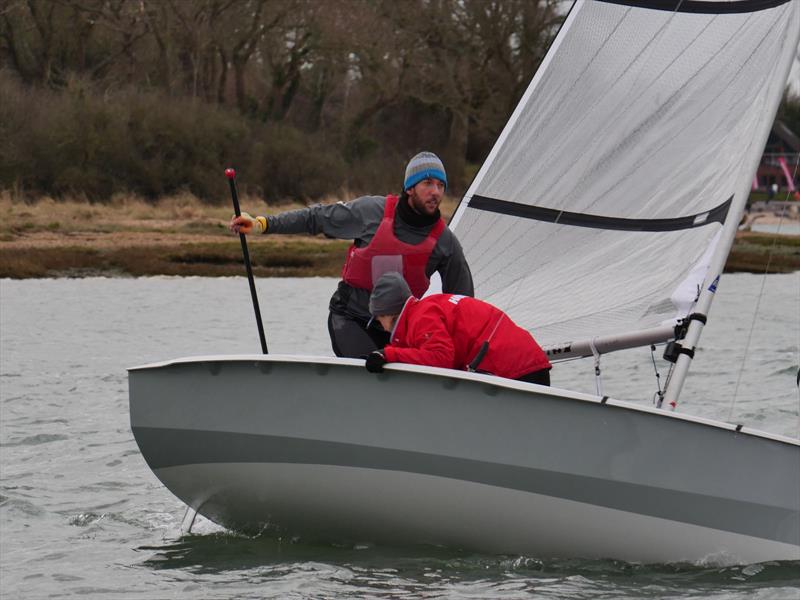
x,y
778,163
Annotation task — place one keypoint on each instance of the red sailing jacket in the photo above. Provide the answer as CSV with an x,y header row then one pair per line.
x,y
447,330
386,253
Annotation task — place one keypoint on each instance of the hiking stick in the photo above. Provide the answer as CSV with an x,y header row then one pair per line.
x,y
231,175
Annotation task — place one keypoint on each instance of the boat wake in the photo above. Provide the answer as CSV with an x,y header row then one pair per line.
x,y
380,571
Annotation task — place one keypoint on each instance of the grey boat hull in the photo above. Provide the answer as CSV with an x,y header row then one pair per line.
x,y
320,448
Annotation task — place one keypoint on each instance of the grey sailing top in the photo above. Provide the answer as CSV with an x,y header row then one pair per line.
x,y
358,220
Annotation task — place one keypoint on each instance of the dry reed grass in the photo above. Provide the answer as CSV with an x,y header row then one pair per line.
x,y
122,213
181,212
178,235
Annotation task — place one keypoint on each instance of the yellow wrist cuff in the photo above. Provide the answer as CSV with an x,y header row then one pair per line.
x,y
262,223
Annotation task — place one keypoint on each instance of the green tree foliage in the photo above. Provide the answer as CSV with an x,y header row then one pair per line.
x,y
303,96
789,111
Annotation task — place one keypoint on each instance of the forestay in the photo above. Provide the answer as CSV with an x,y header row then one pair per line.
x,y
601,205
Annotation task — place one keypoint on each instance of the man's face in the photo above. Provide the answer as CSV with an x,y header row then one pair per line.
x,y
426,196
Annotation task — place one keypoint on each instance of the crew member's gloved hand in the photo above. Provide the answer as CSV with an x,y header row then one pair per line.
x,y
248,224
375,361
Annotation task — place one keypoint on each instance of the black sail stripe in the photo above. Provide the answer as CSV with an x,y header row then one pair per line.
x,y
717,214
701,6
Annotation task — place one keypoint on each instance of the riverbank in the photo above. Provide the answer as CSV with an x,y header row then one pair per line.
x,y
181,236
131,237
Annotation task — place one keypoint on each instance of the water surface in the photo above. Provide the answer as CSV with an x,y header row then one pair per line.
x,y
83,516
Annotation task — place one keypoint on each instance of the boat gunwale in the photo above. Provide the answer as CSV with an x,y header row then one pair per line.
x,y
465,375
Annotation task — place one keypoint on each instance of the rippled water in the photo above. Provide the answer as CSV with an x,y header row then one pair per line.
x,y
82,515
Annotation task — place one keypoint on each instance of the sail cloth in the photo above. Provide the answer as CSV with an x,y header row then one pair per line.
x,y
599,208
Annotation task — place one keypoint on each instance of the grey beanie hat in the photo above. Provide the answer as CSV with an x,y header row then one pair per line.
x,y
389,295
422,166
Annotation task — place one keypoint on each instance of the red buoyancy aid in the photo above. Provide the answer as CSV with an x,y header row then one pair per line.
x,y
386,253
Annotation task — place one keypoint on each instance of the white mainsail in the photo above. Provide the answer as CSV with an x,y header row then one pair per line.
x,y
624,170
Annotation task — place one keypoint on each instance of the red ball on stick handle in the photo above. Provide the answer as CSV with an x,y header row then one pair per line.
x,y
230,173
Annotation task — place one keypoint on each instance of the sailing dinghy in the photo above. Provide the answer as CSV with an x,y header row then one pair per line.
x,y
601,220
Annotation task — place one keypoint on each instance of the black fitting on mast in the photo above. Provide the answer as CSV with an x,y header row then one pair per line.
x,y
683,324
674,348
697,317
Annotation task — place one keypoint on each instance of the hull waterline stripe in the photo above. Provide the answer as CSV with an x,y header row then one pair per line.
x,y
700,6
165,448
718,214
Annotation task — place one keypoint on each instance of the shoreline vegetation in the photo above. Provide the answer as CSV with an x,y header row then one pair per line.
x,y
183,236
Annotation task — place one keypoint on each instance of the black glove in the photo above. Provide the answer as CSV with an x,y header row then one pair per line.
x,y
375,361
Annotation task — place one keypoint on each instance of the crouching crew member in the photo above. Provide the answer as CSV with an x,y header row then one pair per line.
x,y
452,331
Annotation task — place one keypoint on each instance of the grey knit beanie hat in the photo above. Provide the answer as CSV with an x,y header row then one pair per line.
x,y
389,295
422,166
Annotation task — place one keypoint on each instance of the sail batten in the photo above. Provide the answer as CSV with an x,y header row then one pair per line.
x,y
603,203
539,213
701,6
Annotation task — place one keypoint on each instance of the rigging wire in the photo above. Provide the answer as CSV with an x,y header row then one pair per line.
x,y
760,295
658,396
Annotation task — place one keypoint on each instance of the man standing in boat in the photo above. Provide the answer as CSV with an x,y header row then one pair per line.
x,y
454,332
391,233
